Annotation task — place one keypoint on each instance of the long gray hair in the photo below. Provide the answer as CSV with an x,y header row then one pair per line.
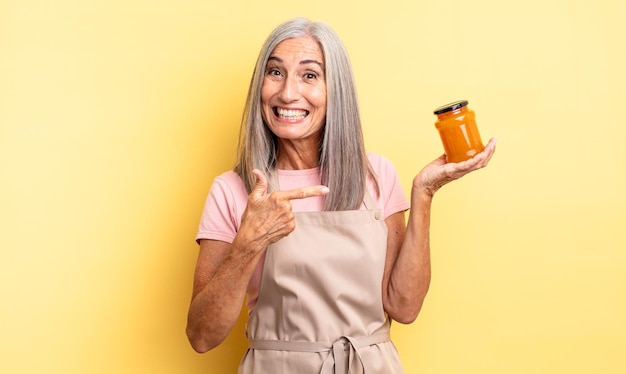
x,y
344,166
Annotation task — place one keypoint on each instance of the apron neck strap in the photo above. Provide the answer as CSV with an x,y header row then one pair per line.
x,y
368,201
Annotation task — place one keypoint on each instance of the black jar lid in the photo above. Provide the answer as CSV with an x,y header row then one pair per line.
x,y
450,107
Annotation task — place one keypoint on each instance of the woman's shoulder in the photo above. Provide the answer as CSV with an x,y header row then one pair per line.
x,y
391,197
231,186
380,164
230,177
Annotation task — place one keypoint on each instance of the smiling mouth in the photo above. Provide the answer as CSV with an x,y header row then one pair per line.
x,y
290,114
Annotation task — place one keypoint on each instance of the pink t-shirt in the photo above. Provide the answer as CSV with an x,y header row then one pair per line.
x,y
227,201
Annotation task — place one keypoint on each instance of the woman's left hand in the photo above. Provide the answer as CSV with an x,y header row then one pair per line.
x,y
439,173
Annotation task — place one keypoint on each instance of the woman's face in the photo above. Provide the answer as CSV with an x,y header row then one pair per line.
x,y
293,95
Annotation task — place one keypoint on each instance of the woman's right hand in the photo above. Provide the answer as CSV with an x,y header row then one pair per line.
x,y
269,217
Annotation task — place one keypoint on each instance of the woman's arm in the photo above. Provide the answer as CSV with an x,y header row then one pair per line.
x,y
223,270
221,278
407,266
407,270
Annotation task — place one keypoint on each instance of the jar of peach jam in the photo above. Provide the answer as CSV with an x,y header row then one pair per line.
x,y
457,128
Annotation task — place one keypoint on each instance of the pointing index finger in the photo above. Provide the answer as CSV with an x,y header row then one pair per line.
x,y
303,192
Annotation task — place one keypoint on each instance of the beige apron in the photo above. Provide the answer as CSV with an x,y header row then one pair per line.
x,y
320,306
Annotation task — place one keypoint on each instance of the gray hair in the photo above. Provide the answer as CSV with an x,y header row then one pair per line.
x,y
344,166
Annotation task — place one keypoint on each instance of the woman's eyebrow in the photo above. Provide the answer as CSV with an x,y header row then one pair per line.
x,y
303,62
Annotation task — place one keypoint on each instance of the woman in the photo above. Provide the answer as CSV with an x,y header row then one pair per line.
x,y
309,228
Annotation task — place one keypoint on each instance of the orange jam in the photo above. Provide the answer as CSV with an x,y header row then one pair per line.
x,y
457,129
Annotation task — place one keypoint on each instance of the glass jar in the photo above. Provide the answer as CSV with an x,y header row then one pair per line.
x,y
457,128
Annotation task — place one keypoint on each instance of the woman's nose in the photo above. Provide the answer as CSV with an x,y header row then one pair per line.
x,y
290,90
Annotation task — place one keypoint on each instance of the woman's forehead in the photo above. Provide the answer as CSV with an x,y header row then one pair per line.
x,y
300,49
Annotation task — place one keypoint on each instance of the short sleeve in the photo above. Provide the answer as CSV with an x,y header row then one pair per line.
x,y
225,203
392,198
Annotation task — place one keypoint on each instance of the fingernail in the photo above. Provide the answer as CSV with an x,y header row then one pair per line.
x,y
324,190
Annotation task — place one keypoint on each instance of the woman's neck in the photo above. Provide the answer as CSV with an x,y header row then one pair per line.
x,y
297,156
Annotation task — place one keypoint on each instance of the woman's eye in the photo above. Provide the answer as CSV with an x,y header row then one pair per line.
x,y
310,76
274,72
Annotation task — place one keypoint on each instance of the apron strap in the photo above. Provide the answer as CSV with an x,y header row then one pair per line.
x,y
368,201
337,359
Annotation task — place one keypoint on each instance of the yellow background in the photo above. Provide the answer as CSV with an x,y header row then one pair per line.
x,y
116,115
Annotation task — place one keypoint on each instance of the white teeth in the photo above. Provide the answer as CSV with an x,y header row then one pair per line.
x,y
292,114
